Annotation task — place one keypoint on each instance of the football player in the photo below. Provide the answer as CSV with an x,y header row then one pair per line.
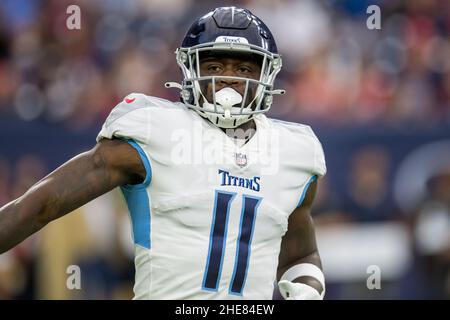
x,y
219,195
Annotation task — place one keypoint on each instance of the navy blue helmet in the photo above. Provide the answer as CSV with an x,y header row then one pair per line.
x,y
230,31
230,21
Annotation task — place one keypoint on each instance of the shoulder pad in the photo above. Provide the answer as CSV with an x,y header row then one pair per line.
x,y
295,127
136,101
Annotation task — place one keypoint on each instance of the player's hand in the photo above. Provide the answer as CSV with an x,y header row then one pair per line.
x,y
298,291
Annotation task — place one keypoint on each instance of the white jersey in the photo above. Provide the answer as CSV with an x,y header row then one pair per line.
x,y
209,218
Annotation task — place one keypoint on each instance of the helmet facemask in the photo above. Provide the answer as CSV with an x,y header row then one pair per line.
x,y
228,108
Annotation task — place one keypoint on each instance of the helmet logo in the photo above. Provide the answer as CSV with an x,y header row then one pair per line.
x,y
229,39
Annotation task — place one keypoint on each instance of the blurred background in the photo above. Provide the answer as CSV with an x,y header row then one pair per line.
x,y
379,100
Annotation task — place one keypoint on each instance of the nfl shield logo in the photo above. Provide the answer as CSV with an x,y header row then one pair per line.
x,y
241,159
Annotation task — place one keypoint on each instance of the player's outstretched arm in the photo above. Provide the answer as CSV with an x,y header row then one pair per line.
x,y
299,261
109,164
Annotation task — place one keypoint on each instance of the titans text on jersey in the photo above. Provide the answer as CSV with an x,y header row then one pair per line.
x,y
228,180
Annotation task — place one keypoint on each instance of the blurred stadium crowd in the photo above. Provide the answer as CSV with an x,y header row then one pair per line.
x,y
378,99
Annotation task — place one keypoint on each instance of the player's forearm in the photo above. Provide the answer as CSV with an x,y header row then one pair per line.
x,y
18,220
77,182
26,215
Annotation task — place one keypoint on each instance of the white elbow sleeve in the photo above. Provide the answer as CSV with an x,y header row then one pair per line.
x,y
300,291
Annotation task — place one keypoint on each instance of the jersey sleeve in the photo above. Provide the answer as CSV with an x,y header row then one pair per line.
x,y
129,120
319,167
316,164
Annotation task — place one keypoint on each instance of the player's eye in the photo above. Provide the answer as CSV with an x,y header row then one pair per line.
x,y
214,68
244,69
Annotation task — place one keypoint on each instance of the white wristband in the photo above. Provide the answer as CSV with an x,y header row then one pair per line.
x,y
305,270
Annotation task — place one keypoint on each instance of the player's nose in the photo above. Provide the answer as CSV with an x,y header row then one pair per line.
x,y
228,82
228,72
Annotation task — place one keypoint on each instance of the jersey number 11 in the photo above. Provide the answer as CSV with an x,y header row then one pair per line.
x,y
218,238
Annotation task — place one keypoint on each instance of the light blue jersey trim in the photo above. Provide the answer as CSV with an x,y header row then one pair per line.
x,y
313,178
139,206
138,202
145,162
